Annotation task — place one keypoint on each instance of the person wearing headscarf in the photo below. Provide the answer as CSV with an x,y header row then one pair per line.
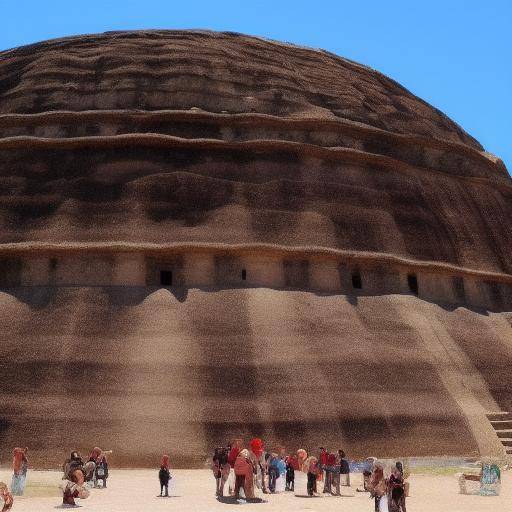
x,y
19,470
6,497
244,475
164,475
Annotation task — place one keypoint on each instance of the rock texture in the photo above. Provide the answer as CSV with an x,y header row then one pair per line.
x,y
216,137
169,137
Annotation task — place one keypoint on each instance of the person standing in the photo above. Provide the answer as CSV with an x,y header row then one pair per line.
x,y
290,475
102,472
322,465
313,469
244,475
164,475
344,468
19,471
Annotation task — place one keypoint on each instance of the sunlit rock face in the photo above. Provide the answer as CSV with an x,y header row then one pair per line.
x,y
259,176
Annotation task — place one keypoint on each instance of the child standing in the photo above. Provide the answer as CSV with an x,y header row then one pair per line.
x,y
164,475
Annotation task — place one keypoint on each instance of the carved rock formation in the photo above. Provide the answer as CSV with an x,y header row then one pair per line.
x,y
162,138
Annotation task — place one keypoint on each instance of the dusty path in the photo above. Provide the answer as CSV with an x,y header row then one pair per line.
x,y
136,490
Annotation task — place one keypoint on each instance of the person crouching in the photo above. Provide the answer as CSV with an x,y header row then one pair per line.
x,y
6,497
74,488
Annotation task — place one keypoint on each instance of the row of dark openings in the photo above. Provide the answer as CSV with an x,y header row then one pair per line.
x,y
357,282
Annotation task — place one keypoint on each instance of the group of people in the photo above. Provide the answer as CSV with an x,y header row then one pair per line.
x,y
243,469
80,476
388,490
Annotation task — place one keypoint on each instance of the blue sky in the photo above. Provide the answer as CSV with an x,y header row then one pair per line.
x,y
455,54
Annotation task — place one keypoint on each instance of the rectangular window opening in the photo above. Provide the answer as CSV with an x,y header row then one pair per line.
x,y
356,280
166,277
244,274
412,281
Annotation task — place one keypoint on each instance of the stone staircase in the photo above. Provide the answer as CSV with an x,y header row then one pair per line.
x,y
502,424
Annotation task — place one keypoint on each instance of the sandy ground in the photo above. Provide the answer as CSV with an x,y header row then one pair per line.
x,y
136,490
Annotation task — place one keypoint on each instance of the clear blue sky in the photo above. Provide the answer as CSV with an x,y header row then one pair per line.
x,y
455,54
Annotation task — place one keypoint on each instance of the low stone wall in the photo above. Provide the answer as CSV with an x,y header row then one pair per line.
x,y
203,267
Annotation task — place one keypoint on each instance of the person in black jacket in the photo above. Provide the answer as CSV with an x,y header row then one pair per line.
x,y
164,475
290,477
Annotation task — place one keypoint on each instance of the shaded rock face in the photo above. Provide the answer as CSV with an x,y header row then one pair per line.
x,y
237,140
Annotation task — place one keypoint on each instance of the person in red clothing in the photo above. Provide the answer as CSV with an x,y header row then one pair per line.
x,y
322,462
234,449
19,470
244,473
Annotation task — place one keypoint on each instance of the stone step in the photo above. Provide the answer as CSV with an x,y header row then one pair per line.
x,y
502,425
506,442
499,416
504,433
508,452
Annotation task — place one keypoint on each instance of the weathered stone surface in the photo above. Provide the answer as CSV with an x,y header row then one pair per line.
x,y
142,140
240,140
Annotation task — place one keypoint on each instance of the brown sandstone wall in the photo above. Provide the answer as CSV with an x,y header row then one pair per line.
x,y
142,371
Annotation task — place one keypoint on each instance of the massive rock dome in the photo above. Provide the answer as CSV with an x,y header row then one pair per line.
x,y
208,234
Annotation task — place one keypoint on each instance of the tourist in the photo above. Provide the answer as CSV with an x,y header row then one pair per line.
x,y
281,479
19,471
273,472
344,468
164,475
302,455
6,496
95,458
367,470
396,490
233,450
329,468
73,463
244,475
378,487
313,469
322,464
290,475
74,487
102,472
221,469
335,476
258,460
